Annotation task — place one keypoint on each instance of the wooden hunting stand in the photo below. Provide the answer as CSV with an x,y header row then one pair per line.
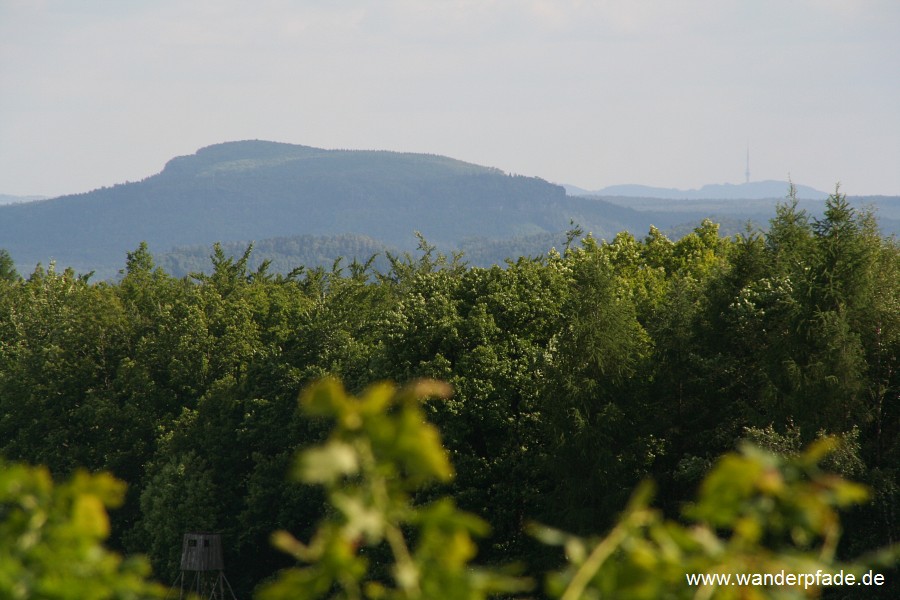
x,y
202,568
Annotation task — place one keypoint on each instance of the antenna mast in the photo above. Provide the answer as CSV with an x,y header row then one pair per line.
x,y
747,173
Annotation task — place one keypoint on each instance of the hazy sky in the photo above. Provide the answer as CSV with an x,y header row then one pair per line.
x,y
665,93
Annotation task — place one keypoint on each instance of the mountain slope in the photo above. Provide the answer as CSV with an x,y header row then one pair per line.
x,y
276,194
259,190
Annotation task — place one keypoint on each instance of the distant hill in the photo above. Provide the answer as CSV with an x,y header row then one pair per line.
x,y
755,190
308,206
257,190
260,190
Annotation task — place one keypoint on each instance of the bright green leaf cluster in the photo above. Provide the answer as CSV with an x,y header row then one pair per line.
x,y
380,451
756,513
51,539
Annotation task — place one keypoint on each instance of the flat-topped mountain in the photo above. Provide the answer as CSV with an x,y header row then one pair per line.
x,y
306,203
258,190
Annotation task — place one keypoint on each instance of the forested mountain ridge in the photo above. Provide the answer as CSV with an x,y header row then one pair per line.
x,y
260,190
238,192
634,215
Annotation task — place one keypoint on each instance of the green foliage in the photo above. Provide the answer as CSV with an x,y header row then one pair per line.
x,y
380,451
756,513
283,253
576,375
8,271
51,537
487,332
55,392
178,498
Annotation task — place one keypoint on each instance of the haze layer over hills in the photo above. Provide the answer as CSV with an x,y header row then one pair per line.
x,y
10,199
752,190
321,204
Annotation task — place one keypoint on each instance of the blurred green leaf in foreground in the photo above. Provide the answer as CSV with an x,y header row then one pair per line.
x,y
380,451
756,513
52,534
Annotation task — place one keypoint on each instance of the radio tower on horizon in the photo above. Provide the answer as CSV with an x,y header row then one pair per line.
x,y
747,173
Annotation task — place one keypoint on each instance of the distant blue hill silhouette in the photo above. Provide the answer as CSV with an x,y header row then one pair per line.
x,y
260,190
312,205
755,190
